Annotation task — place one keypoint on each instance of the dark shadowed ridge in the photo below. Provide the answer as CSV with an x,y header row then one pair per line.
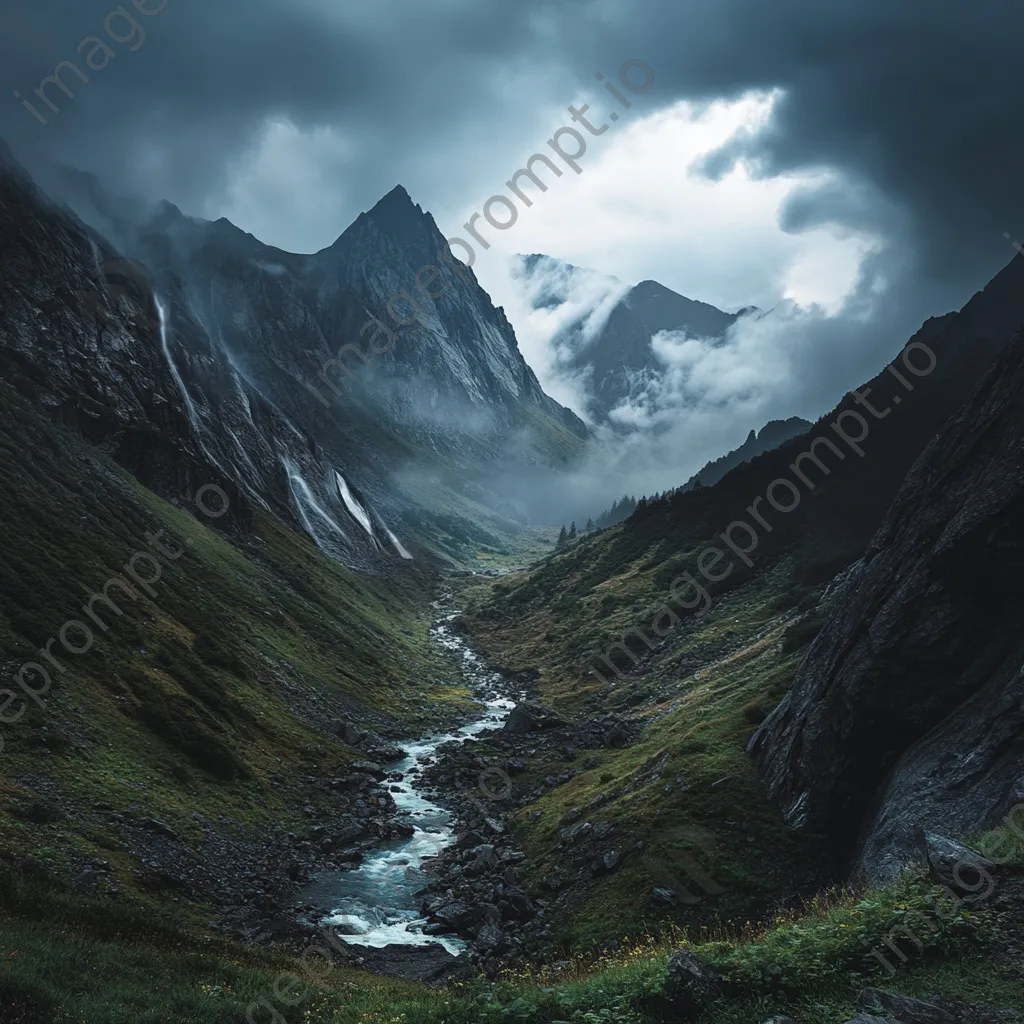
x,y
906,712
772,434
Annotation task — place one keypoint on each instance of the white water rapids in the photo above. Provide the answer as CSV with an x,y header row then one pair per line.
x,y
375,901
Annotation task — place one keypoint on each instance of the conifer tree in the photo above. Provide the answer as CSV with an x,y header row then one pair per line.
x,y
572,531
563,539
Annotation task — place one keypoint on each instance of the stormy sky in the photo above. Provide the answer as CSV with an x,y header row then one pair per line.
x,y
856,160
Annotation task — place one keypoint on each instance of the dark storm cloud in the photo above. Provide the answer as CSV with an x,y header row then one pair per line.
x,y
172,116
916,103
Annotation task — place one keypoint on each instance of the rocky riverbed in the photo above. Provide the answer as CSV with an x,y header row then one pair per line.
x,y
414,870
374,900
478,891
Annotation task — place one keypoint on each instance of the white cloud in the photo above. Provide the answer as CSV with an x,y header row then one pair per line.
x,y
640,209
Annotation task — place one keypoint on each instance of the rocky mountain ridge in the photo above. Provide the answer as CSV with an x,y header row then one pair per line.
x,y
770,436
198,353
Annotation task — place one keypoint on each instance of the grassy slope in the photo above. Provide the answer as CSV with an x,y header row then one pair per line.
x,y
687,784
702,694
234,673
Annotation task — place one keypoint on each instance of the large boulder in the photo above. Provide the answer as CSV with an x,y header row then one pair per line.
x,y
906,711
371,743
350,733
954,865
491,939
530,716
689,984
375,771
902,1008
458,915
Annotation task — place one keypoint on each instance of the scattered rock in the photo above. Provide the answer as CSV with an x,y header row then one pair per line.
x,y
458,915
491,939
574,832
689,984
954,864
349,733
349,834
607,862
158,827
571,816
532,717
371,769
903,1008
437,928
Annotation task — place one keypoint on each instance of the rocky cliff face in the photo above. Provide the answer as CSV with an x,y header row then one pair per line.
x,y
210,357
460,361
908,710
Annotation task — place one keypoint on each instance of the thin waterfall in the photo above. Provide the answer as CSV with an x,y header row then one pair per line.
x,y
351,503
190,407
399,547
306,503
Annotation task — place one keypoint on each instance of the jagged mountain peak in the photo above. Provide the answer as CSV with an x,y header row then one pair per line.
x,y
648,286
398,200
395,217
397,214
772,435
660,305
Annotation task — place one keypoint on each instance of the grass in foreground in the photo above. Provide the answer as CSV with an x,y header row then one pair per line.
x,y
64,958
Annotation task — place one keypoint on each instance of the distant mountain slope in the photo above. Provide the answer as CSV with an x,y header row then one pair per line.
x,y
608,340
772,434
828,528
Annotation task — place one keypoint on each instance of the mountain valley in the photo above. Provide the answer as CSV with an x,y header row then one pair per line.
x,y
366,666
